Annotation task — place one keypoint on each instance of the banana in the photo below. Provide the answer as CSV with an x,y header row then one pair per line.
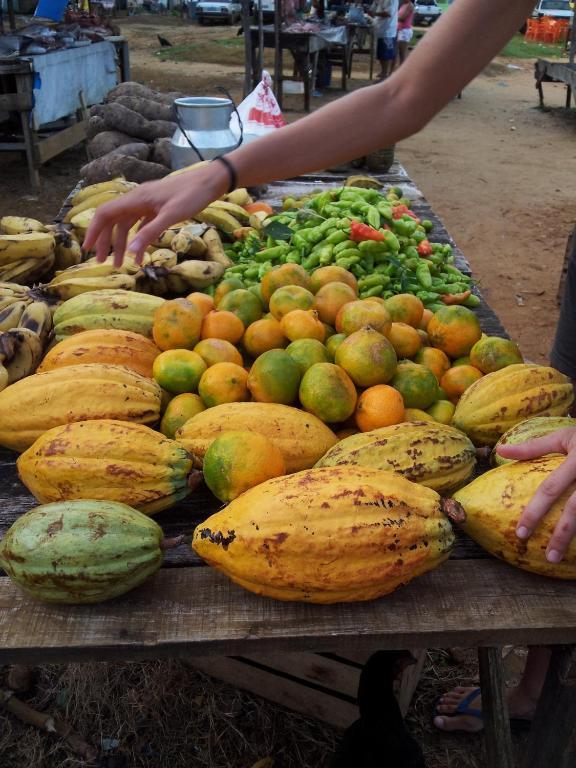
x,y
116,185
18,225
30,245
37,317
214,248
27,271
81,222
3,377
71,287
22,351
10,317
93,268
255,220
239,196
219,218
161,257
189,168
194,275
185,243
235,210
94,201
68,251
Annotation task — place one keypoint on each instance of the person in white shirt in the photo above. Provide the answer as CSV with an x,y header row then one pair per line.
x,y
385,14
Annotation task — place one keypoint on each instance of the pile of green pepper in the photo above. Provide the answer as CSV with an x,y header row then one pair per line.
x,y
373,235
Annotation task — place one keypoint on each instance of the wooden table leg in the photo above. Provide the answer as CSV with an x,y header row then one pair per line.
x,y
30,151
553,738
568,96
306,76
499,752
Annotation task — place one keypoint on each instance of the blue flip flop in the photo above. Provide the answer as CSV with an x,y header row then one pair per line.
x,y
465,708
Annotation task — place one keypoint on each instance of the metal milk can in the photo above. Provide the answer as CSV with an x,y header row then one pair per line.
x,y
203,131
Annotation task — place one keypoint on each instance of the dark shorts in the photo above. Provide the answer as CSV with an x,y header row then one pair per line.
x,y
563,356
386,48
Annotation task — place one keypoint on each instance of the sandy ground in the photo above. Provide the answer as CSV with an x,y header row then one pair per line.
x,y
499,172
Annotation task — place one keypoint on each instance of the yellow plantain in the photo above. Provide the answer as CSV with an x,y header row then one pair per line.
x,y
194,275
27,271
214,248
239,196
91,202
115,185
67,289
186,243
23,351
219,218
37,317
18,225
235,210
30,245
10,317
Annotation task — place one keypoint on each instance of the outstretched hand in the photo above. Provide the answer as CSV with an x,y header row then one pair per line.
x,y
156,205
561,441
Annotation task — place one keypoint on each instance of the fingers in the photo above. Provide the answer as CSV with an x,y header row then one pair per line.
x,y
555,442
128,207
120,235
546,494
564,532
148,233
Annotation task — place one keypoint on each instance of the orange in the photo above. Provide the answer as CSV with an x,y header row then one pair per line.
x,y
405,339
333,343
243,303
303,324
285,274
259,207
204,302
328,392
307,352
263,335
457,380
289,298
236,461
376,300
367,357
379,406
332,274
221,324
465,360
405,308
417,414
442,411
177,325
434,359
330,298
491,353
454,330
426,317
178,411
358,314
214,351
417,385
226,286
178,370
274,378
224,383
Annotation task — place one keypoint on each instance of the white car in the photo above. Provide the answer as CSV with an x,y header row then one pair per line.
x,y
214,10
556,9
426,13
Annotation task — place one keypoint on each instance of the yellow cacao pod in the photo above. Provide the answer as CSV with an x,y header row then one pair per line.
x,y
432,454
300,436
106,308
493,503
81,551
39,402
499,400
110,460
529,430
113,347
327,535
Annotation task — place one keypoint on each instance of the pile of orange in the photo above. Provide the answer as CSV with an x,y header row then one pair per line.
x,y
307,340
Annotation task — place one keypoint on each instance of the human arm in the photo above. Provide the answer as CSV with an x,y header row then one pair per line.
x,y
561,441
460,44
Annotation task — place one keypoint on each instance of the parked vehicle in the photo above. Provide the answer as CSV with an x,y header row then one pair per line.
x,y
218,10
426,13
556,9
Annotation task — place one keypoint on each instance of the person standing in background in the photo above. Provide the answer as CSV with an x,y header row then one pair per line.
x,y
385,13
405,31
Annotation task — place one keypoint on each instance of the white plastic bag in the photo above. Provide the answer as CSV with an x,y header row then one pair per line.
x,y
259,112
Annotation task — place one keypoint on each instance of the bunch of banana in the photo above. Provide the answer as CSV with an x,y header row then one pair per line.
x,y
87,200
91,275
214,247
225,216
119,185
26,257
180,279
239,197
22,345
188,244
19,225
68,251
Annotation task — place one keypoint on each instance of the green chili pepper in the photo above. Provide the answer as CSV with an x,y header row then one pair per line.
x,y
472,301
377,290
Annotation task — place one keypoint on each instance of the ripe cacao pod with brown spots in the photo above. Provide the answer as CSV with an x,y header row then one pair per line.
x,y
328,535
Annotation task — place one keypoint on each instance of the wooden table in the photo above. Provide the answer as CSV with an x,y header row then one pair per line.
x,y
187,609
555,72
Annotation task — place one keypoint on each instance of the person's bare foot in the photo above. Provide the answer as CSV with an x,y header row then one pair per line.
x,y
461,709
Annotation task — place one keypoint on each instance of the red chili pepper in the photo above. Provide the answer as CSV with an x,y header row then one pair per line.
x,y
455,298
360,232
402,210
424,248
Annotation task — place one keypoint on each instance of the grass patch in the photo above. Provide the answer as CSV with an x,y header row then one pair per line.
x,y
224,51
518,48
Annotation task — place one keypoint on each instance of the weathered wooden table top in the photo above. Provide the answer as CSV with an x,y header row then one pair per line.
x,y
188,608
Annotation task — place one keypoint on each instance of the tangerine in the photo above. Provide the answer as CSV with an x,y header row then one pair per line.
x,y
405,339
178,370
442,411
203,301
332,274
243,303
417,385
367,357
177,324
379,406
465,360
330,297
435,359
303,324
491,353
224,383
289,298
214,351
417,414
307,352
274,378
358,314
333,343
178,411
226,286
457,380
426,317
405,308
263,335
285,274
454,329
221,324
328,392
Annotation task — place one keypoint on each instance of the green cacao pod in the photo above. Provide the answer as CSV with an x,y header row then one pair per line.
x,y
81,551
529,430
